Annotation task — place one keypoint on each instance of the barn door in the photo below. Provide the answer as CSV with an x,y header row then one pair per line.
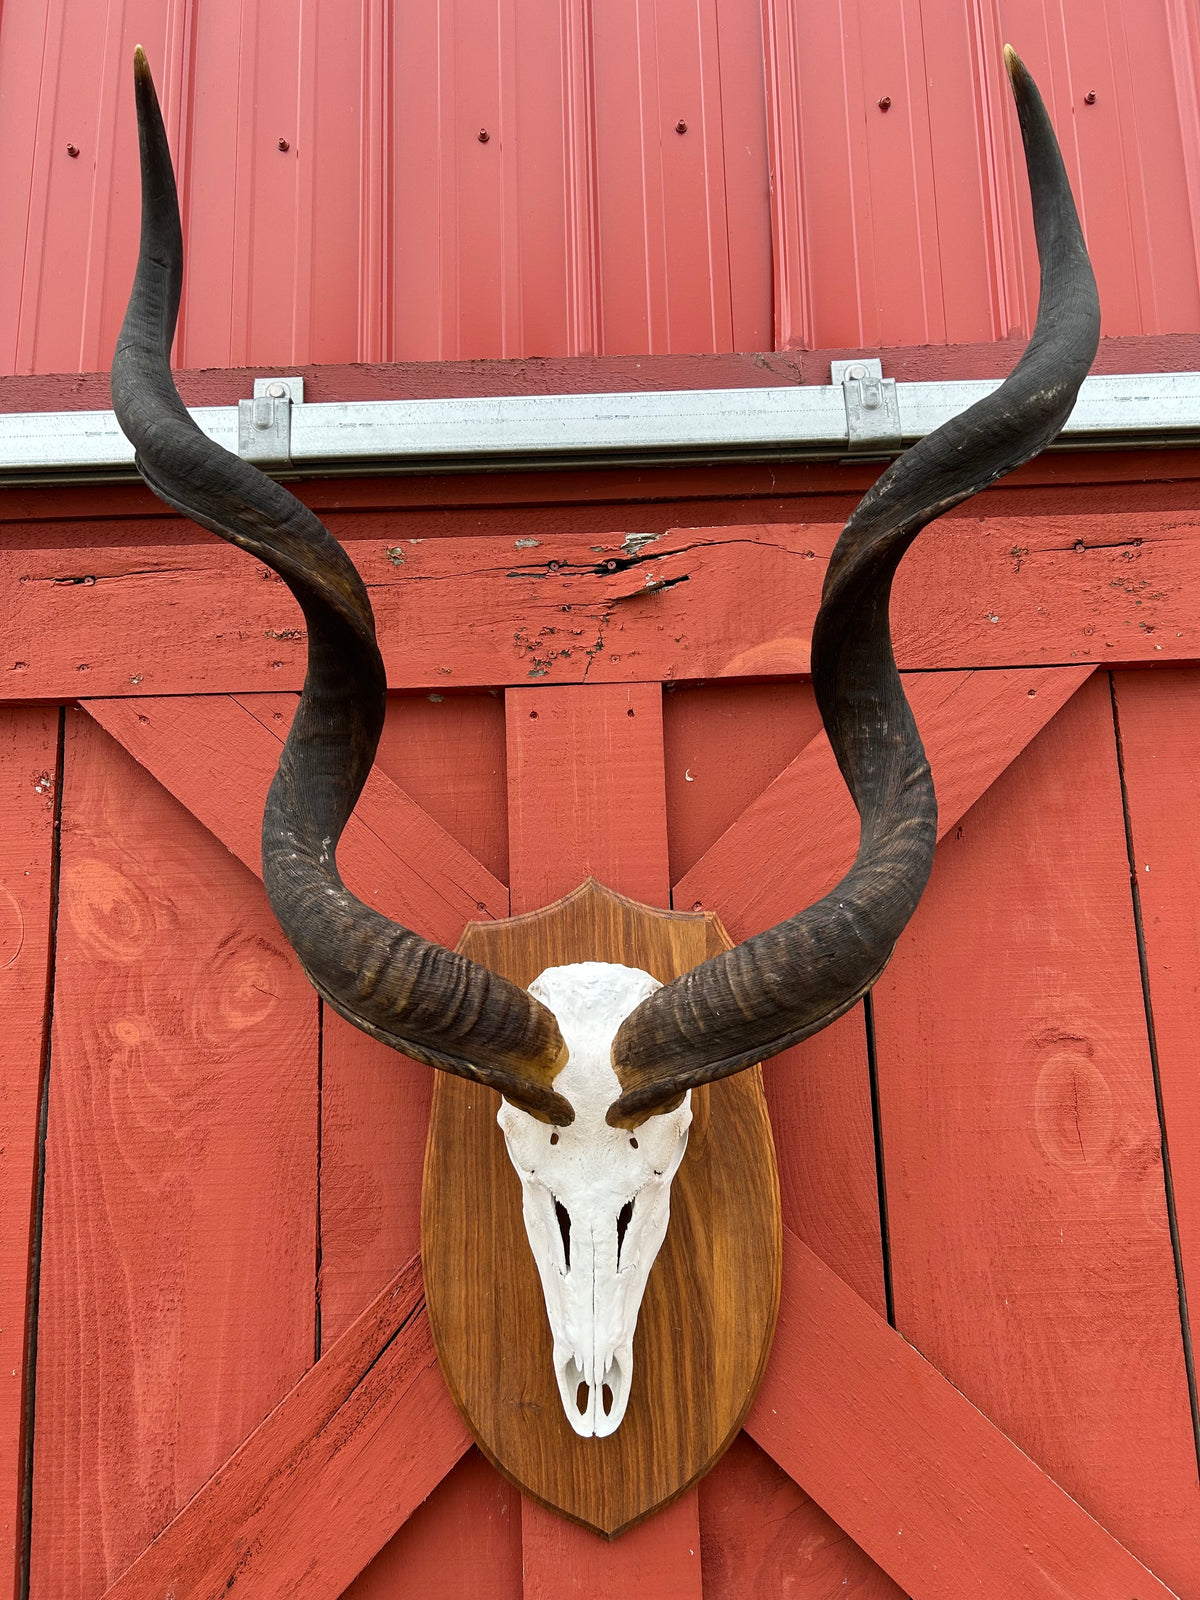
x,y
235,1385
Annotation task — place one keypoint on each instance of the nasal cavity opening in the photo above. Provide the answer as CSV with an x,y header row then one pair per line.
x,y
564,1227
624,1218
606,1399
581,1400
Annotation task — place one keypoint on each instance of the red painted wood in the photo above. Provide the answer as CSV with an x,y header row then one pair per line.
x,y
1158,718
587,796
218,755
761,1535
465,1540
446,751
177,1264
723,743
660,1557
973,724
772,862
1031,1257
374,1117
28,783
848,1408
1023,589
328,1477
906,1465
586,792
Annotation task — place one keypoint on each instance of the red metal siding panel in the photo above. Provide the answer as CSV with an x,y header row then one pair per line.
x,y
793,212
908,224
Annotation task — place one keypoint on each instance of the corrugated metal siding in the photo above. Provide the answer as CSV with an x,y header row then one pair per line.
x,y
793,212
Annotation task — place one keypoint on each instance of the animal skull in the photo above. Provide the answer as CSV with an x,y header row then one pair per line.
x,y
597,1199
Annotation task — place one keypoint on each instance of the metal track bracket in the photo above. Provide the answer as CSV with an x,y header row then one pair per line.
x,y
265,423
872,406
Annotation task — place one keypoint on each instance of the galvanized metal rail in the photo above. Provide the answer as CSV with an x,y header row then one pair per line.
x,y
863,417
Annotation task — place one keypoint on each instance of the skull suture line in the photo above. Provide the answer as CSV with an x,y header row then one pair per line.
x,y
597,1199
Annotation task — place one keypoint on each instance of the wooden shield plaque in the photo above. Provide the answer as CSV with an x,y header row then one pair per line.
x,y
709,1312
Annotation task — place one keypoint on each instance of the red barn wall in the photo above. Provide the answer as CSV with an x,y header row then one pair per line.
x,y
793,212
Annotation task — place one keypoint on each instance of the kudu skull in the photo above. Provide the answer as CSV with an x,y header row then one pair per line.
x,y
595,1064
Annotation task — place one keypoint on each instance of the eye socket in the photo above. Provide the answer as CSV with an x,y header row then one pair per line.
x,y
564,1228
624,1218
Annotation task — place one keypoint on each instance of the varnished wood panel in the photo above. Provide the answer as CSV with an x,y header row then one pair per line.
x,y
28,785
1031,1253
179,1235
709,1310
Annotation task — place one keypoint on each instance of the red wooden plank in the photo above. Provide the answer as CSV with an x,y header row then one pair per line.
x,y
660,1557
28,783
930,1489
448,753
374,1117
847,1408
586,792
327,1478
218,755
1158,723
761,1535
769,864
1031,1255
177,1264
464,1540
587,796
973,724
723,744
1031,586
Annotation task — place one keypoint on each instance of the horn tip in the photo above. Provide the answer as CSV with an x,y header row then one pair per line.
x,y
1014,64
141,62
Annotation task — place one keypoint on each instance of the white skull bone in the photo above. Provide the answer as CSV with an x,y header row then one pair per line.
x,y
596,1199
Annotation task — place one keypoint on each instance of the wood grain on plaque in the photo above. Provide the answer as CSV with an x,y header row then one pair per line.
x,y
709,1313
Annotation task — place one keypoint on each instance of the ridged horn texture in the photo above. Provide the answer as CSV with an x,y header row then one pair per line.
x,y
793,980
423,1000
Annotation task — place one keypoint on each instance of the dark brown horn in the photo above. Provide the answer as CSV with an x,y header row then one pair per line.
x,y
420,999
787,983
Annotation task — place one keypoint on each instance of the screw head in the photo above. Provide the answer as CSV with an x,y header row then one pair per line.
x,y
277,391
1089,98
72,150
885,102
283,144
681,126
483,136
